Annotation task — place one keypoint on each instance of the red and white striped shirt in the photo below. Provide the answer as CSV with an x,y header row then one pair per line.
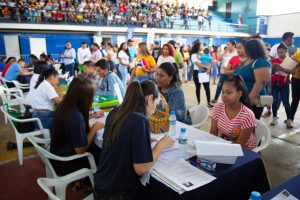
x,y
244,119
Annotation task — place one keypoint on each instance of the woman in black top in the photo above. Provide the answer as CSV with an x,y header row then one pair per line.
x,y
126,152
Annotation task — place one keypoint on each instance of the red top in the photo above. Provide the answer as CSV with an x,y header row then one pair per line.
x,y
6,67
278,78
234,62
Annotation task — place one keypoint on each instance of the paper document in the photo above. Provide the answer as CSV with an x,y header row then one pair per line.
x,y
288,63
203,77
184,174
158,137
284,195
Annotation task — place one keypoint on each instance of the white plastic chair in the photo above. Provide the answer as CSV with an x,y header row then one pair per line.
x,y
50,172
69,80
20,85
57,66
263,136
21,136
48,183
64,76
4,81
199,115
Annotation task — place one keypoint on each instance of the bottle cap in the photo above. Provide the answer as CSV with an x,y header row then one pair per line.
x,y
255,195
172,112
183,130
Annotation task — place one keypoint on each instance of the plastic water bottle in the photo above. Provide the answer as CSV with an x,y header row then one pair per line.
x,y
172,124
182,140
96,104
255,196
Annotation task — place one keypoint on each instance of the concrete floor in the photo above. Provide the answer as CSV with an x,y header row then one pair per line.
x,y
281,157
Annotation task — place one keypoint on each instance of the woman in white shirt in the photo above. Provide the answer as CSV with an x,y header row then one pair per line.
x,y
43,97
168,55
38,69
123,56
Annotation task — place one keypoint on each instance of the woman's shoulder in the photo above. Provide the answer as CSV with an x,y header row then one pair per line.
x,y
219,106
247,111
261,62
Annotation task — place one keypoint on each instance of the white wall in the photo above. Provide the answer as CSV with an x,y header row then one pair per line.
x,y
277,25
12,47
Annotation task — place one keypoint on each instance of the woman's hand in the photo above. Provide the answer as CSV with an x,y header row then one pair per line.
x,y
97,126
253,100
166,142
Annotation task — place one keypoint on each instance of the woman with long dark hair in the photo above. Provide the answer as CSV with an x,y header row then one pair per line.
x,y
256,72
126,152
71,133
170,87
233,119
123,56
43,97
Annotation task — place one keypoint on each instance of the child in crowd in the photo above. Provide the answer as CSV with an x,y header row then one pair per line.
x,y
205,59
233,119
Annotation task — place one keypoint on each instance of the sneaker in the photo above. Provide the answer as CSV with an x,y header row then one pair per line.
x,y
213,101
268,113
274,121
289,124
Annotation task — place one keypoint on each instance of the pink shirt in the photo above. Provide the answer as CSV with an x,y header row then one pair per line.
x,y
244,119
96,56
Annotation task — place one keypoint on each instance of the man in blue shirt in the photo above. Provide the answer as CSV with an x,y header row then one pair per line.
x,y
14,71
131,49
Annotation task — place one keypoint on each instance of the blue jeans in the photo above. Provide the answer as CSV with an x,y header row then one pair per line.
x,y
284,94
45,117
123,70
223,77
71,69
191,71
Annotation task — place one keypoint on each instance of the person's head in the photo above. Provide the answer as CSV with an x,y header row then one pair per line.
x,y
94,46
143,49
254,49
109,45
231,45
282,51
43,57
288,38
240,48
68,45
84,45
51,75
123,46
196,48
168,50
206,51
10,60
234,91
102,67
103,45
166,75
89,68
2,58
21,62
79,96
115,48
156,44
33,58
173,43
130,43
40,67
141,98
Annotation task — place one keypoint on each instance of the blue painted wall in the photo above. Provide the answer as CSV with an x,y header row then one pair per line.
x,y
273,41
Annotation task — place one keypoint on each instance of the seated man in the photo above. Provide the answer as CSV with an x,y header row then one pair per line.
x,y
14,71
90,73
109,79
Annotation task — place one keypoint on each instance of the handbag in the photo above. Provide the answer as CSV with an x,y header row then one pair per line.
x,y
263,100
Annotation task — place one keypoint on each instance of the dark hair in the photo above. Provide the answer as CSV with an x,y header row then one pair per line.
x,y
102,43
172,42
102,63
79,96
109,44
33,56
83,42
232,42
134,101
282,46
43,55
206,51
45,75
195,47
9,59
121,48
243,41
254,49
171,70
88,63
40,67
95,44
287,35
240,85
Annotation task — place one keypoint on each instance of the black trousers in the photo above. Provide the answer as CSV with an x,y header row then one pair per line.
x,y
257,111
198,87
295,96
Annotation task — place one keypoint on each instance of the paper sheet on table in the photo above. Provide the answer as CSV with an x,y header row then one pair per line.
x,y
184,174
288,63
284,195
101,119
159,137
203,77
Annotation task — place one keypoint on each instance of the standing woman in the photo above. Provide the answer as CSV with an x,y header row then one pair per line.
x,y
195,54
123,56
214,55
145,64
126,152
256,72
235,61
168,53
43,97
71,133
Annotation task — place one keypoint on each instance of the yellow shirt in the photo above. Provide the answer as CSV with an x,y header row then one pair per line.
x,y
150,62
297,72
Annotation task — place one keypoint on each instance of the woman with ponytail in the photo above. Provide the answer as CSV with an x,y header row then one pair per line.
x,y
233,119
169,84
43,97
126,151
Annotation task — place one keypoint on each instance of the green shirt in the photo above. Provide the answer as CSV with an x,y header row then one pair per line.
x,y
178,58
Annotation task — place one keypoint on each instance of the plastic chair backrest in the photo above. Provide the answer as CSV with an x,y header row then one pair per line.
x,y
199,115
262,135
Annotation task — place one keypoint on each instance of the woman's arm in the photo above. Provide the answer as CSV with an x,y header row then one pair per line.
x,y
214,127
228,69
262,76
244,136
199,64
56,100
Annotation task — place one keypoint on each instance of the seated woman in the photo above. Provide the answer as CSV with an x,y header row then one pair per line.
x,y
38,69
43,96
233,119
71,133
109,79
170,87
126,152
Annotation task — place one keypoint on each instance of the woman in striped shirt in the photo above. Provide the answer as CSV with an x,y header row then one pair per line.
x,y
233,119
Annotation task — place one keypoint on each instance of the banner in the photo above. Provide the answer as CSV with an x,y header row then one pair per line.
x,y
150,37
129,33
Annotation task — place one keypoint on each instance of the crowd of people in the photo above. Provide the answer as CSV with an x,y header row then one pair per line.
x,y
120,13
143,75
